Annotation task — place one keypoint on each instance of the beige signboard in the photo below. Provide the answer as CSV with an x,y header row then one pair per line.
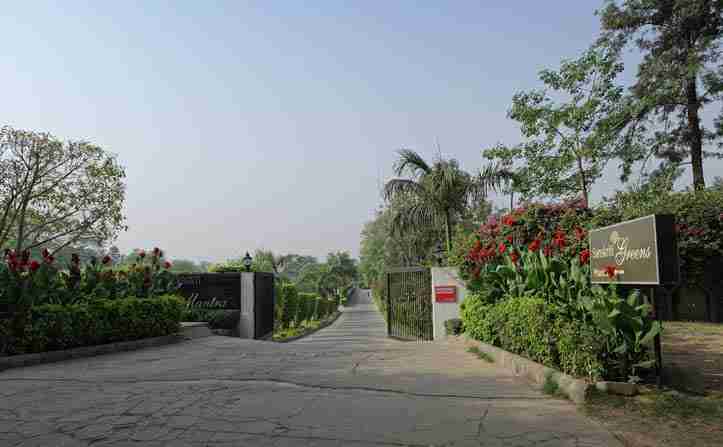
x,y
634,252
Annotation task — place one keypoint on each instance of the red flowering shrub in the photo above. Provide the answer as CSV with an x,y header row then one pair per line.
x,y
557,229
25,282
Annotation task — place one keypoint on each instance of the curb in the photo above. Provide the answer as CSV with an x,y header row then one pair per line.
x,y
329,322
577,390
19,361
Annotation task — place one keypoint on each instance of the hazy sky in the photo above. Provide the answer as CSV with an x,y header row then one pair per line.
x,y
245,125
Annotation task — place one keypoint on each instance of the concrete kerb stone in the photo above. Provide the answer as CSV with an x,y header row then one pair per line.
x,y
577,390
19,361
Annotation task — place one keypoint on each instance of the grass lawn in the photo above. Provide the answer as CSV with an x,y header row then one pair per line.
x,y
660,418
694,354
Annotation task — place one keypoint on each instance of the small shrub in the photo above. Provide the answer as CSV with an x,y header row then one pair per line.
x,y
550,387
453,326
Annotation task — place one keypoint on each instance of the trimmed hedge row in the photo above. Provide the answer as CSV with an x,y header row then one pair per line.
x,y
534,329
294,307
52,327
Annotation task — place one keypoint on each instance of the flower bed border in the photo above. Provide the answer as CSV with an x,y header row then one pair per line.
x,y
328,322
577,390
22,360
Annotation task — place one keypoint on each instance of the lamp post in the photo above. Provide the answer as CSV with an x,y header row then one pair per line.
x,y
247,260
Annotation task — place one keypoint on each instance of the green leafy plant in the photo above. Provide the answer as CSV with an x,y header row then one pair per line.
x,y
51,327
453,326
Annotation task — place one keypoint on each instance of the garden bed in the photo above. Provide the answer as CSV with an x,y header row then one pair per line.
x,y
291,334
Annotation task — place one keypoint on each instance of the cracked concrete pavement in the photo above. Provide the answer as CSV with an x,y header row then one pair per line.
x,y
347,385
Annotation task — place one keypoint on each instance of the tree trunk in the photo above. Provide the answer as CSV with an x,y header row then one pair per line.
x,y
695,138
512,200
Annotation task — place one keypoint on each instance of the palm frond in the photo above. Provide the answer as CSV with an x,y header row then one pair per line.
x,y
413,216
411,161
400,186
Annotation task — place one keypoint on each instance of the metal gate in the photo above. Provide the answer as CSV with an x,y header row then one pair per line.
x,y
264,298
409,303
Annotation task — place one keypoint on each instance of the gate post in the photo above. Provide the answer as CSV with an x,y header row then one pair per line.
x,y
246,324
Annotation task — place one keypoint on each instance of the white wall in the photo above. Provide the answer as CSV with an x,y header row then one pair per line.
x,y
441,312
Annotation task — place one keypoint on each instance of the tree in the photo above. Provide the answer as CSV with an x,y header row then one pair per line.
x,y
185,266
566,140
434,195
54,194
678,76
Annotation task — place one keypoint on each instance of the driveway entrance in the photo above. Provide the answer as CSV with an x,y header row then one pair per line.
x,y
347,385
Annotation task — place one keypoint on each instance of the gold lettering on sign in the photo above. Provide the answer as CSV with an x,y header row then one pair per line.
x,y
619,249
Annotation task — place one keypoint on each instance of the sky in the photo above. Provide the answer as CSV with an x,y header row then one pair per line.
x,y
273,124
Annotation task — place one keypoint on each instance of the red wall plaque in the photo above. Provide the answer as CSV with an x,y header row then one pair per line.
x,y
445,294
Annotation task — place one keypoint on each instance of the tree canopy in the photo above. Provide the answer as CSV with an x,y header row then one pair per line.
x,y
55,194
680,75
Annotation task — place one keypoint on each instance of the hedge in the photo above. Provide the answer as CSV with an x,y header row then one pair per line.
x,y
534,329
293,307
51,327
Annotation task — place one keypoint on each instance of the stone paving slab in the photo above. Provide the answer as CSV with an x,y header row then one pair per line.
x,y
347,385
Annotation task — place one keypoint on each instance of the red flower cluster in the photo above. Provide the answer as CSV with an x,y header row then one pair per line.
x,y
17,263
689,231
558,239
534,245
514,257
585,256
580,234
610,271
167,265
508,220
47,257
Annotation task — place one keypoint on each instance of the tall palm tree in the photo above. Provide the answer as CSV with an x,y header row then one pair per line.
x,y
432,195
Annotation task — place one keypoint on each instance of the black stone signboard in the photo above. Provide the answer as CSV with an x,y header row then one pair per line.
x,y
641,251
211,290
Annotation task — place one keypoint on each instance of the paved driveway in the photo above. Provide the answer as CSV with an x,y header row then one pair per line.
x,y
347,385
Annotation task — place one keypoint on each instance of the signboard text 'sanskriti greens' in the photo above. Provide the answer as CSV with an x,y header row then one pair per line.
x,y
640,251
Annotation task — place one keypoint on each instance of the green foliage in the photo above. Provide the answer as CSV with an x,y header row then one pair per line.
x,y
57,193
679,76
566,146
50,327
25,282
601,336
293,307
453,326
433,196
533,328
